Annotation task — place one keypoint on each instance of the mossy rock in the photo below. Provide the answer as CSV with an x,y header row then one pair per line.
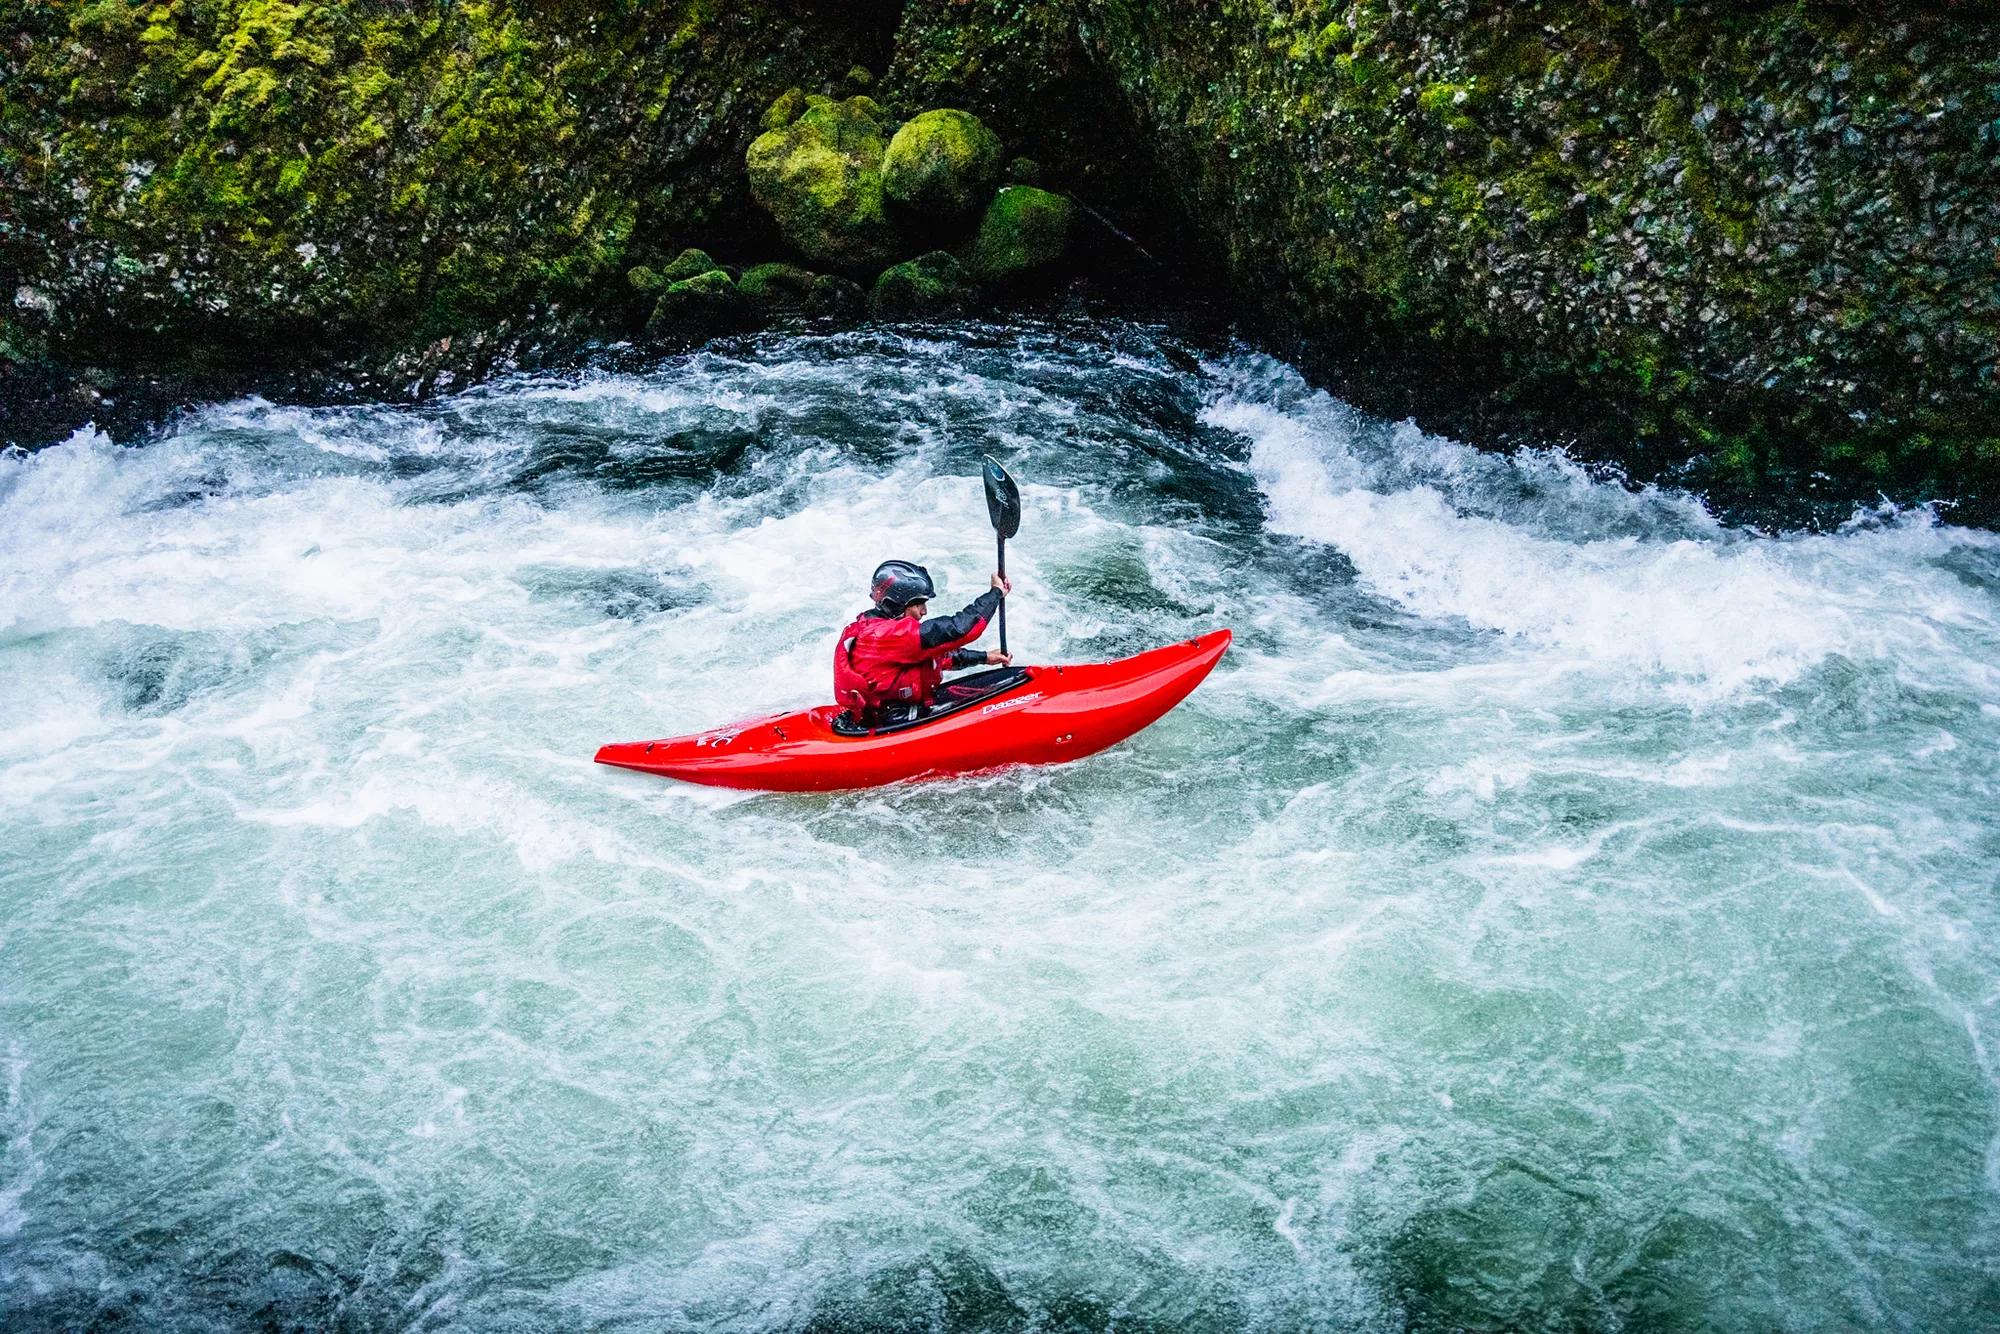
x,y
1024,171
834,297
696,308
688,264
776,287
785,110
942,165
1025,229
858,79
645,281
820,179
931,284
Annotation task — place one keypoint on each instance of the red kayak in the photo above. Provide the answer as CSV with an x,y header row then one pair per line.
x,y
1009,715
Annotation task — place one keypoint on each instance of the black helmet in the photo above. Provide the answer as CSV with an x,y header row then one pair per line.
x,y
898,583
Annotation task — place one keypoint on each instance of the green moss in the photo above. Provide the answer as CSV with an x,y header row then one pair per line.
x,y
439,163
1648,222
697,308
777,287
688,264
1025,229
820,178
785,110
942,165
931,284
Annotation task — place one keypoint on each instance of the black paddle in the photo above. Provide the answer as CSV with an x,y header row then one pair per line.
x,y
1003,506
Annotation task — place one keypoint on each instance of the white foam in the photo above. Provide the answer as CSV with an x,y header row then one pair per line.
x,y
1711,611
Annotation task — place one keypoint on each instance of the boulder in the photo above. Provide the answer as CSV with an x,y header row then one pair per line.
x,y
687,264
785,110
1024,171
644,280
696,308
931,284
941,166
820,179
776,288
1024,229
834,297
837,299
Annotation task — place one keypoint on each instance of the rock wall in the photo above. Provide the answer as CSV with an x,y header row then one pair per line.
x,y
235,172
1767,232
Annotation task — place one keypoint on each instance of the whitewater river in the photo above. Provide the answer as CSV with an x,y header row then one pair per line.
x,y
1561,909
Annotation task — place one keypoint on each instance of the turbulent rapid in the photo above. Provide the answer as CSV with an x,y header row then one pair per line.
x,y
1561,908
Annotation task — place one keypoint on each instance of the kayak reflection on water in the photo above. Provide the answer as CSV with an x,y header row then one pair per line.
x,y
890,662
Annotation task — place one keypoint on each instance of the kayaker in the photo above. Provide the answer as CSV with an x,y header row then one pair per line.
x,y
890,660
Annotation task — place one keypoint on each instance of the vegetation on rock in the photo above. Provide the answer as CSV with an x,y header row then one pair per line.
x,y
1765,233
777,287
690,263
942,165
251,173
820,178
931,284
698,307
1025,229
1761,233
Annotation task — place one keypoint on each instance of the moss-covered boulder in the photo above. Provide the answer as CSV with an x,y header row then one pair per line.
x,y
1024,171
784,110
1025,230
834,297
820,179
931,284
776,288
688,264
696,308
942,165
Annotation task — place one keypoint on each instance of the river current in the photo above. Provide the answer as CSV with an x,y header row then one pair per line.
x,y
1561,909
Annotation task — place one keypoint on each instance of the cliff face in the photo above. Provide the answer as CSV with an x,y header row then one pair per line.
x,y
1766,233
1770,233
238,171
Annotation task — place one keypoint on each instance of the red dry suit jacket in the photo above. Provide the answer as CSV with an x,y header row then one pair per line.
x,y
885,659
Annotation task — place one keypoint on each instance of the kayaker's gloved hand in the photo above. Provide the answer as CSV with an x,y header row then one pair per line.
x,y
1000,583
995,658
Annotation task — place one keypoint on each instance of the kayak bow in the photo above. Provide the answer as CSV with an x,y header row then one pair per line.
x,y
1038,715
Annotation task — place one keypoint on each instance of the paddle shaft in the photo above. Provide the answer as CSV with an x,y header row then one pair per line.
x,y
1001,538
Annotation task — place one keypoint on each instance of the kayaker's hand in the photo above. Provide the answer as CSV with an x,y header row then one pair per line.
x,y
995,658
1001,584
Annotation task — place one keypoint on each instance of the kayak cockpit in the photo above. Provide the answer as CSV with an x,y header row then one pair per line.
x,y
953,697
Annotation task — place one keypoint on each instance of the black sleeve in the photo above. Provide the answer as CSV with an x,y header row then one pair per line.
x,y
962,658
943,629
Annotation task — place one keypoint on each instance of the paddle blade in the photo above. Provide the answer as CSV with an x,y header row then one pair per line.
x,y
1003,499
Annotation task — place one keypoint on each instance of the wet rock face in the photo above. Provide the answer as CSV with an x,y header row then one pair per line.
x,y
1765,234
942,166
180,177
820,179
